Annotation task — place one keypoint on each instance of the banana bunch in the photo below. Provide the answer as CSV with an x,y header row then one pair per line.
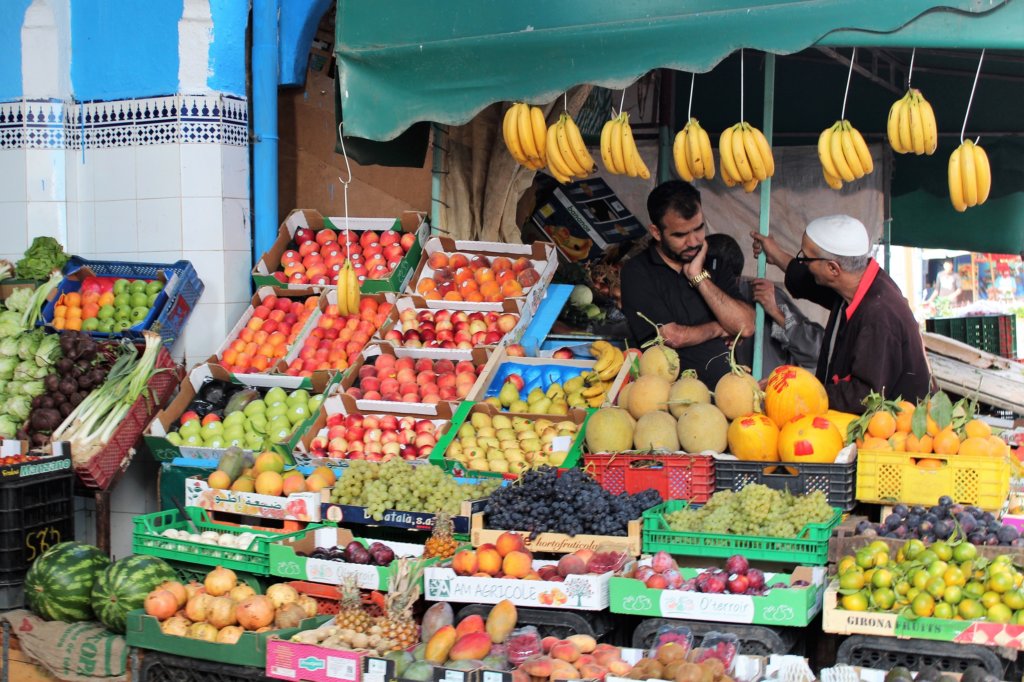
x,y
525,132
348,290
746,157
692,152
970,177
597,382
618,149
844,154
911,125
568,157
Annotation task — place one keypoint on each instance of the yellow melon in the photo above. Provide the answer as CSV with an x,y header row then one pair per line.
x,y
793,392
702,427
842,420
649,394
754,438
656,431
686,391
810,439
610,429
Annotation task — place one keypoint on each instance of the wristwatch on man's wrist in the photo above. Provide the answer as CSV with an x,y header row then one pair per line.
x,y
704,274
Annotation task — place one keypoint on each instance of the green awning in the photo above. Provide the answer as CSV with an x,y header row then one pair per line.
x,y
406,61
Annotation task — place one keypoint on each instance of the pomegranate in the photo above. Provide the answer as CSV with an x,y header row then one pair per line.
x,y
255,612
281,594
288,616
197,607
241,592
161,604
308,604
203,631
220,612
177,589
193,588
229,635
176,626
220,581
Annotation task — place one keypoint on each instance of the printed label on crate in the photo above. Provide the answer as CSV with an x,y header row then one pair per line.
x,y
586,592
28,469
295,661
347,513
296,507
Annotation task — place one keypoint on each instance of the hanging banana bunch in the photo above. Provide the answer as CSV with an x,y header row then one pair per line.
x,y
911,126
568,157
692,152
525,132
844,154
745,156
970,177
618,149
348,290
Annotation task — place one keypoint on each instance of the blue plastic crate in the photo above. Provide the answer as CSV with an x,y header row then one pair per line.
x,y
171,309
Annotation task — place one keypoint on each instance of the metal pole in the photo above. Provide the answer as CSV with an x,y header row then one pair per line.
x,y
436,171
765,213
265,67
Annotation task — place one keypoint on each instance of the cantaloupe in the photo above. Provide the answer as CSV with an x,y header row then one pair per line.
x,y
737,392
649,394
657,358
610,429
686,391
702,427
623,399
656,431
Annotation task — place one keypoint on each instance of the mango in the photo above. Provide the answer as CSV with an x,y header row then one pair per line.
x,y
435,618
439,645
472,645
501,621
474,623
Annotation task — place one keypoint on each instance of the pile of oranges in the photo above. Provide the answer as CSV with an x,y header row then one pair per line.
x,y
887,432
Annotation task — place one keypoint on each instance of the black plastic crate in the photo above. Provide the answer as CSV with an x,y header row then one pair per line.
x,y
35,514
885,653
159,667
551,622
837,481
755,640
996,334
12,594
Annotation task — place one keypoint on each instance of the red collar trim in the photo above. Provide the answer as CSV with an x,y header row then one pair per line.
x,y
866,280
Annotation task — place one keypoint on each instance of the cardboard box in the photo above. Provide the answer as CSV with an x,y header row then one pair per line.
x,y
791,607
578,592
383,670
586,221
559,543
542,254
294,661
9,286
295,507
842,622
286,561
532,370
395,518
465,412
167,419
417,304
409,221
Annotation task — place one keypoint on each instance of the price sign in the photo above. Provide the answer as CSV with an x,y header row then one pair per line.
x,y
38,541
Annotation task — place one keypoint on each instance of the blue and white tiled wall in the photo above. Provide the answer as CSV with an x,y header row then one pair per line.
x,y
152,179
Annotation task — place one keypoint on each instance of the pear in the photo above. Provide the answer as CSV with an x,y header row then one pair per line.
x,y
501,421
521,424
535,395
480,420
467,431
555,391
558,407
493,402
519,406
541,406
275,395
508,394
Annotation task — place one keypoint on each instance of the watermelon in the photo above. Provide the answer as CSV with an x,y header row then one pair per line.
x,y
123,586
58,585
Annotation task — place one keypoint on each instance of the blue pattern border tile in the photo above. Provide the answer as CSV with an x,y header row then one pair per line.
x,y
174,119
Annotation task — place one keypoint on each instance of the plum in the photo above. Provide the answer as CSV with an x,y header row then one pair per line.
x,y
945,501
1007,534
918,509
863,526
892,521
901,510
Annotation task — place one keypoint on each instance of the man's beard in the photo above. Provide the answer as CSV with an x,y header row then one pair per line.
x,y
682,257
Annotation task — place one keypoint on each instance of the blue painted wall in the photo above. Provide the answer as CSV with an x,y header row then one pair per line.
x,y
12,16
124,48
227,51
299,19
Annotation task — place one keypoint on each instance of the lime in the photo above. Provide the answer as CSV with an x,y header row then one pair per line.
x,y
923,605
999,613
970,609
944,610
964,551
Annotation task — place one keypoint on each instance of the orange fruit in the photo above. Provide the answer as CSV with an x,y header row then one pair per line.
x,y
933,427
976,447
946,442
898,441
977,429
90,310
882,425
73,299
904,416
928,463
876,444
74,313
106,298
922,444
59,323
999,446
73,323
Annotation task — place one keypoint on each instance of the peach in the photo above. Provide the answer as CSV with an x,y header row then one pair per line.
x,y
565,650
516,564
474,623
585,659
570,564
585,555
547,572
509,541
465,562
592,671
585,643
563,670
606,656
488,560
603,646
474,645
518,675
532,575
619,667
537,666
547,643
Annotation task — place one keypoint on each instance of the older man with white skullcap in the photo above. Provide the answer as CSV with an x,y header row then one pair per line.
x,y
872,341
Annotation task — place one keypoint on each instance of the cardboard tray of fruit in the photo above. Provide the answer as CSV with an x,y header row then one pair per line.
x,y
785,603
309,556
144,632
396,518
302,506
381,381
532,266
339,434
212,390
410,229
288,660
555,448
843,622
560,543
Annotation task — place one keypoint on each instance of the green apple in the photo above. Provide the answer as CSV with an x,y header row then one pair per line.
x,y
154,287
106,312
277,410
217,442
174,438
298,413
139,314
139,299
275,395
137,286
254,407
120,287
254,441
299,396
193,441
192,426
150,300
234,418
314,404
90,325
106,326
122,300
233,431
123,312
279,429
258,423
121,325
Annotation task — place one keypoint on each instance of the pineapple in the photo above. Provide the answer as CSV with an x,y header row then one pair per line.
x,y
351,615
441,543
403,591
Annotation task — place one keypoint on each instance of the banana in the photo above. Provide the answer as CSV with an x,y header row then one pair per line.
x,y
916,127
578,146
565,150
509,132
931,131
766,151
956,185
892,126
343,289
906,140
757,165
597,401
629,154
604,360
556,165
726,158
739,156
749,187
524,128
612,370
727,179
596,389
618,160
825,151
679,149
707,156
353,291
693,156
967,173
599,346
606,146
539,128
831,180
984,173
849,153
863,153
836,149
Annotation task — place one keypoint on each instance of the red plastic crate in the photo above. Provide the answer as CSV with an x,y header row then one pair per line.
x,y
676,476
105,466
327,596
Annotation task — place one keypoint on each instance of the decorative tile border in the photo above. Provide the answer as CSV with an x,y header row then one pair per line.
x,y
175,119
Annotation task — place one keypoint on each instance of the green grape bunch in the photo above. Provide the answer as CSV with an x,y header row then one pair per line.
x,y
755,510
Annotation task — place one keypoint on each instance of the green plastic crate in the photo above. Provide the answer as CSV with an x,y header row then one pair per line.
x,y
809,549
148,538
195,573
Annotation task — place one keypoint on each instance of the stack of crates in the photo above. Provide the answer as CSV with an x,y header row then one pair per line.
x,y
36,512
996,334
